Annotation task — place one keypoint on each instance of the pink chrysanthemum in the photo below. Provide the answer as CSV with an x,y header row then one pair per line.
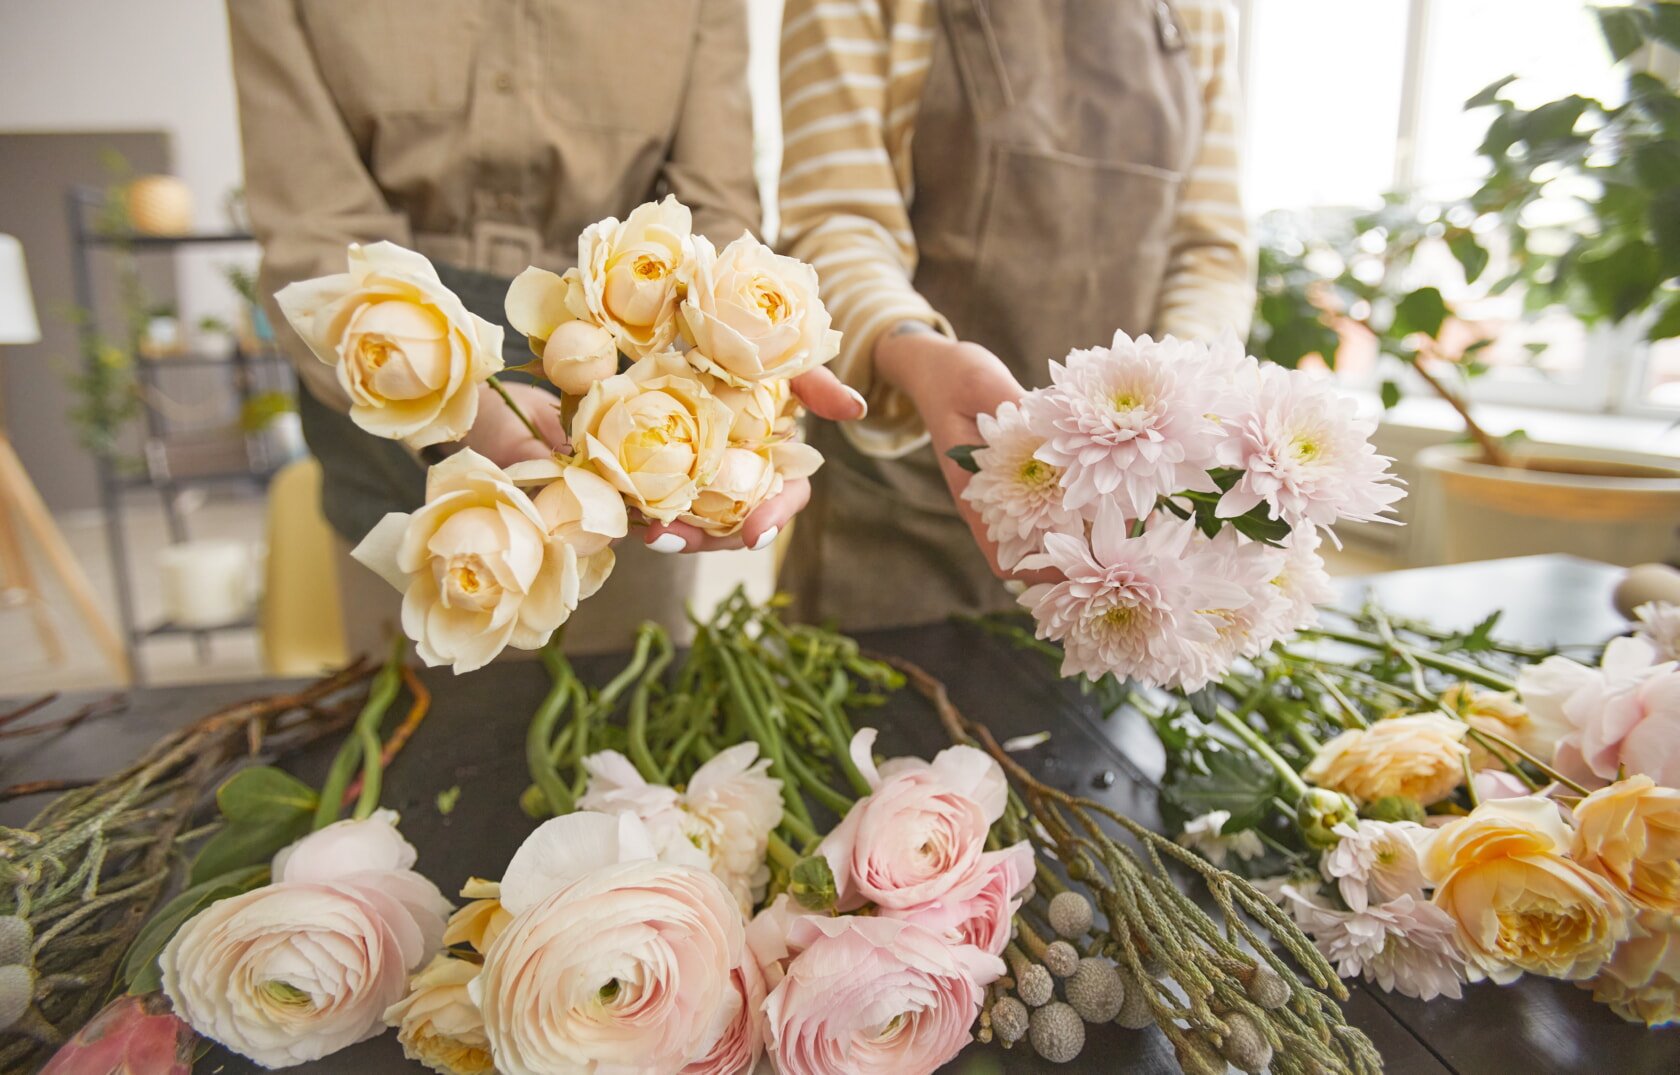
x,y
1305,454
1131,422
1302,580
1018,496
1407,945
1264,615
1131,606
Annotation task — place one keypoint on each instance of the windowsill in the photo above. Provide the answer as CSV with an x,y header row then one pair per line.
x,y
1656,436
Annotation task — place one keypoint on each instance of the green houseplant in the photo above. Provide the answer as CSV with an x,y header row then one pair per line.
x,y
1579,212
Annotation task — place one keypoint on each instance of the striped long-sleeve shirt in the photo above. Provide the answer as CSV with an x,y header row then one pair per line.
x,y
852,73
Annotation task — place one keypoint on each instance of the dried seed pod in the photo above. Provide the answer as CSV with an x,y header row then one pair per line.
x,y
1095,990
1009,1020
17,937
1245,1046
1058,1034
1061,958
1034,985
1197,1056
1267,989
17,992
1070,915
1135,1012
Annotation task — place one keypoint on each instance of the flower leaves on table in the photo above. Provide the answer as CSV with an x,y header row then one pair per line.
x,y
813,884
139,969
1200,781
266,809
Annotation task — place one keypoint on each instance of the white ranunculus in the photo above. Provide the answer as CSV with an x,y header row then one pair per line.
x,y
655,432
308,965
408,354
753,314
614,960
477,564
628,277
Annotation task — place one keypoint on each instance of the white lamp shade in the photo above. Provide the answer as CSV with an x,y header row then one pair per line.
x,y
17,308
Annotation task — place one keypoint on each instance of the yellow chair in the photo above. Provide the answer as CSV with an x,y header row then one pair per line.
x,y
302,631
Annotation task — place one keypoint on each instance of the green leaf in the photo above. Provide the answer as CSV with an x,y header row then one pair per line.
x,y
1423,310
1488,94
964,455
1657,164
243,844
1622,32
1665,23
1554,121
1667,324
262,793
1470,254
812,884
1619,280
1256,525
1230,779
139,969
1390,393
447,798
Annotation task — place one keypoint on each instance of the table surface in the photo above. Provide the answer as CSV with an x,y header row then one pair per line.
x,y
474,739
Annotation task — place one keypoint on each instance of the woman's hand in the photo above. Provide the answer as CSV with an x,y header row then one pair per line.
x,y
823,395
499,435
951,383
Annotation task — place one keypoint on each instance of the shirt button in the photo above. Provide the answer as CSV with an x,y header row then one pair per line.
x,y
504,83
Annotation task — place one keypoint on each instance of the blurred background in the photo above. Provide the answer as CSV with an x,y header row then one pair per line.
x,y
1497,282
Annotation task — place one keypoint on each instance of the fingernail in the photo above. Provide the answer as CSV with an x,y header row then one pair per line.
x,y
668,542
766,539
863,404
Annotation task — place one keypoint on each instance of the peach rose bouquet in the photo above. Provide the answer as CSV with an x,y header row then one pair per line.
x,y
670,364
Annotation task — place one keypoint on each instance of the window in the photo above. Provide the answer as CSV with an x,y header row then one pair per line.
x,y
1346,102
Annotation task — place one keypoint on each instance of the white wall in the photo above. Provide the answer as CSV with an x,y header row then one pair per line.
x,y
99,65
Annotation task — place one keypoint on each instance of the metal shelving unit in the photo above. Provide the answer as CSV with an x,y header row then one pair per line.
x,y
165,466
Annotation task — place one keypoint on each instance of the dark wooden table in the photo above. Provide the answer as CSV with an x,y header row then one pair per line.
x,y
474,739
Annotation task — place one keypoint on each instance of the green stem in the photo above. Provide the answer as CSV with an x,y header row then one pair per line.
x,y
817,787
1546,770
519,413
640,755
1461,669
768,740
356,749
1291,779
782,854
541,731
1348,709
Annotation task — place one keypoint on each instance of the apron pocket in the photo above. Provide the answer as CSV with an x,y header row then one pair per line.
x,y
618,65
1070,249
394,55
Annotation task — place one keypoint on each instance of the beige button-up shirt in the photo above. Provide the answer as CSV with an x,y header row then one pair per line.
x,y
484,133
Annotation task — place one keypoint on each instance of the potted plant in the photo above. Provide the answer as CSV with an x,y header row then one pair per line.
x,y
1339,282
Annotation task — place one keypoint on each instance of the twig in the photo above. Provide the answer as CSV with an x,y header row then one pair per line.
x,y
110,704
44,787
1495,452
27,708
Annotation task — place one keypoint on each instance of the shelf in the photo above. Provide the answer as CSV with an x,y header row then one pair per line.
x,y
182,481
184,362
167,242
167,628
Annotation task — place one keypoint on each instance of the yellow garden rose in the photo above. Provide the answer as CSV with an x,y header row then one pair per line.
x,y
754,315
408,354
481,920
1642,982
550,310
1417,757
746,479
628,275
1630,833
1497,713
1521,904
437,1022
655,432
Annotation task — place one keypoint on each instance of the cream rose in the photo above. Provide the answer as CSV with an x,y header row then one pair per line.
x,y
1419,757
614,960
306,966
1521,904
765,412
629,275
754,314
478,566
437,1023
1630,833
1641,983
550,311
408,354
580,508
1498,713
655,433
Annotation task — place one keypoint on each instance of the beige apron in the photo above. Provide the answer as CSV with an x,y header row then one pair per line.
x,y
1050,146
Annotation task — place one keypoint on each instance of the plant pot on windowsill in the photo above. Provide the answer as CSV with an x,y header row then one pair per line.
x,y
1618,507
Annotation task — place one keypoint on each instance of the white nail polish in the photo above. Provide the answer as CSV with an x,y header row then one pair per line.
x,y
766,539
863,404
668,542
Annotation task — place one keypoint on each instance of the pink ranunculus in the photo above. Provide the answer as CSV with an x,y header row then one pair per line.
x,y
873,996
983,919
767,937
736,1052
1626,712
920,833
